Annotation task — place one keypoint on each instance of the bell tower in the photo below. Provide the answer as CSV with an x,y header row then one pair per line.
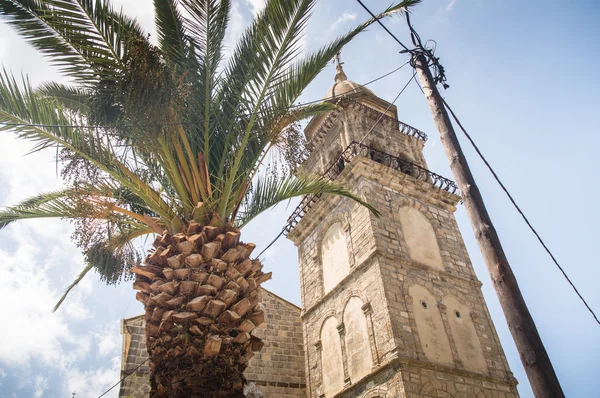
x,y
391,304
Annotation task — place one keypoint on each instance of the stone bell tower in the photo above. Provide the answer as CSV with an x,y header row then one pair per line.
x,y
391,305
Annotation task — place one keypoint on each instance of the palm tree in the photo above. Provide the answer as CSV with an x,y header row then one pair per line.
x,y
170,139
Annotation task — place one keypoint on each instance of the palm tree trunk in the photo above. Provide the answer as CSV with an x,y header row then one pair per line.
x,y
201,296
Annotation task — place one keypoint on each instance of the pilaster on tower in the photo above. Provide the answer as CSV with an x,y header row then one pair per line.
x,y
391,305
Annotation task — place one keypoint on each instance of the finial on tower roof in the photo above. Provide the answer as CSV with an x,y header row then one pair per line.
x,y
340,76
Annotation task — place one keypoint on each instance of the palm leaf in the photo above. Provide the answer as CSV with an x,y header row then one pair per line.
x,y
265,57
170,29
85,38
270,190
44,121
110,258
72,98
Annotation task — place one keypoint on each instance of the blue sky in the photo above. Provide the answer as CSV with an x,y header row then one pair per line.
x,y
524,81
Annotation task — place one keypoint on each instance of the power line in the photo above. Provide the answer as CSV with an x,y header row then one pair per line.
x,y
383,26
365,136
388,108
194,122
441,79
516,206
124,377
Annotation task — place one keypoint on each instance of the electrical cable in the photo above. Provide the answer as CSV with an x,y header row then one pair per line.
x,y
187,123
383,26
124,377
388,108
512,200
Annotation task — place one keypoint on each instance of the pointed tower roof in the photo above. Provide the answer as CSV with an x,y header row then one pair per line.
x,y
343,86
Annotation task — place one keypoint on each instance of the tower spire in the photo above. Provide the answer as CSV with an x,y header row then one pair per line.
x,y
340,76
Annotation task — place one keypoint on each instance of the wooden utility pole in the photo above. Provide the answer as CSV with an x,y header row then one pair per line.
x,y
534,357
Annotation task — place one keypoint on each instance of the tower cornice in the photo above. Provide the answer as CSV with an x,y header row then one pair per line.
x,y
318,127
415,180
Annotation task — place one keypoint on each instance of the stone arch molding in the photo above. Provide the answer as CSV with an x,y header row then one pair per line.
x,y
435,390
332,365
356,333
464,333
334,254
420,237
377,392
430,326
335,217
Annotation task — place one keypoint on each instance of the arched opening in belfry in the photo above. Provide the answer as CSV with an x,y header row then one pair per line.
x,y
334,256
430,326
465,335
358,347
420,238
332,365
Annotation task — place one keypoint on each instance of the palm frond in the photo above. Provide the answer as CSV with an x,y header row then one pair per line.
x,y
81,275
265,56
270,190
57,204
87,39
43,121
74,99
206,23
111,258
171,32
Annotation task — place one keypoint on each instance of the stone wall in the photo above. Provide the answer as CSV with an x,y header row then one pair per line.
x,y
277,370
134,354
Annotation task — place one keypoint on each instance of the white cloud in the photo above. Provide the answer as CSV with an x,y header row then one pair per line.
x,y
41,385
234,29
2,373
256,5
35,332
345,17
451,5
108,339
94,382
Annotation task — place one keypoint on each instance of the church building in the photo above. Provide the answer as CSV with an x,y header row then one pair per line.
x,y
391,305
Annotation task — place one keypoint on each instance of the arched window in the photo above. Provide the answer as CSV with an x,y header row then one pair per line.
x,y
430,327
358,347
465,336
420,238
331,358
334,256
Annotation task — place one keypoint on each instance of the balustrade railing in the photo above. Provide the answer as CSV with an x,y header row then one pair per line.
x,y
358,149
